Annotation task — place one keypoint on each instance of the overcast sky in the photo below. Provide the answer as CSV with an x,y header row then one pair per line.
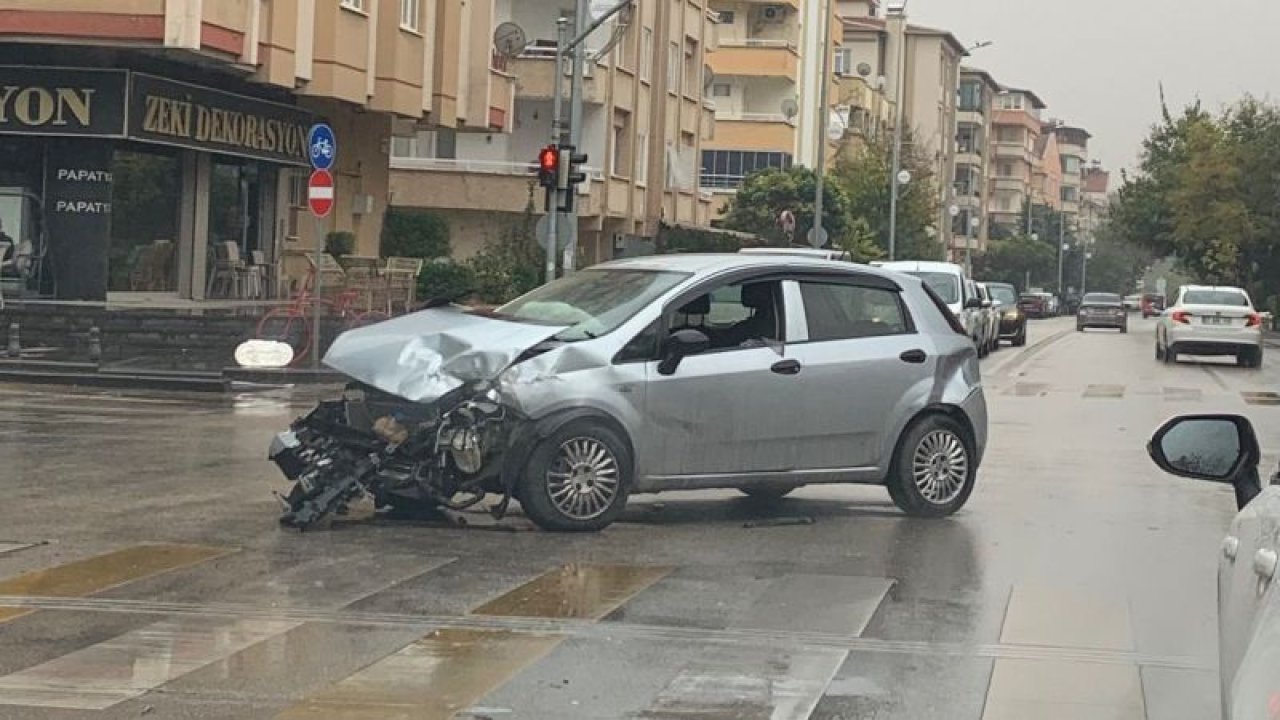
x,y
1099,63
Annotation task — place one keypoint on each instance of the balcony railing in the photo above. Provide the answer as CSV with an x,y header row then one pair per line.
x,y
483,167
755,117
712,181
758,43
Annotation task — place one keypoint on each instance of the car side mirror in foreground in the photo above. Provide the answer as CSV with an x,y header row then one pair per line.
x,y
679,345
1217,448
973,303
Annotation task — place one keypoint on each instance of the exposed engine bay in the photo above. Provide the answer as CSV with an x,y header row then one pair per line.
x,y
406,456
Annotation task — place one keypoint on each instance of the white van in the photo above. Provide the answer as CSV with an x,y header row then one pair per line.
x,y
949,282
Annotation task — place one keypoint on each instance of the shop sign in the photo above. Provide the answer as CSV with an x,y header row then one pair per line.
x,y
61,101
176,113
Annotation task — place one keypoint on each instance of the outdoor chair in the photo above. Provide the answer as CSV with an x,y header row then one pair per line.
x,y
402,283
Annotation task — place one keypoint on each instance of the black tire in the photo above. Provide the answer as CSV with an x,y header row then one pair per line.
x,y
767,493
1250,358
560,454
1171,355
923,440
1021,339
1159,352
1124,329
1079,327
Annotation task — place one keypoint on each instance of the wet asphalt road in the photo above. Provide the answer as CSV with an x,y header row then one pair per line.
x,y
142,575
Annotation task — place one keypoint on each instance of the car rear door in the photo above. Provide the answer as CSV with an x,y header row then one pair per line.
x,y
863,364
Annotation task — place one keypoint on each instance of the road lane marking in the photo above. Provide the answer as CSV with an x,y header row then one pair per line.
x,y
1061,616
433,678
132,664
451,669
575,591
836,604
1021,689
1104,391
102,572
1261,398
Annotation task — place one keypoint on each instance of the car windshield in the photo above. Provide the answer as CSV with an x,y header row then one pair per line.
x,y
1232,298
1102,299
946,285
591,302
1002,294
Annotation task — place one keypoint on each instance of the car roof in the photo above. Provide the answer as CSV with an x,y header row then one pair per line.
x,y
706,263
921,266
797,252
1215,288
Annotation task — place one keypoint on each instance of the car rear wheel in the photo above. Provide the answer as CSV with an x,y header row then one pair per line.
x,y
1250,358
933,469
1170,354
577,479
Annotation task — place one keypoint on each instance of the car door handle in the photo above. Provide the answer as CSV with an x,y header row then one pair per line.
x,y
1230,546
1264,564
915,357
786,367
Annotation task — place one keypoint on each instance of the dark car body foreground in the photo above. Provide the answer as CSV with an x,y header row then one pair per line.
x,y
1102,310
1013,321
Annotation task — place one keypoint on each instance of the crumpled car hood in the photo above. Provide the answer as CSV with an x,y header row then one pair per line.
x,y
423,355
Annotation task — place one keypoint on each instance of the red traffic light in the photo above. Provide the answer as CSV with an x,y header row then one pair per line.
x,y
548,159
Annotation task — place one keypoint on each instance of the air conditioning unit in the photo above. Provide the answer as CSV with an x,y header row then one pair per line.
x,y
773,13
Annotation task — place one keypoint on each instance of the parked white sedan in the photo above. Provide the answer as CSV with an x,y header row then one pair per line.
x,y
1211,320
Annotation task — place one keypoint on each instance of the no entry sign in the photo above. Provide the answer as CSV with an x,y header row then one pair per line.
x,y
320,193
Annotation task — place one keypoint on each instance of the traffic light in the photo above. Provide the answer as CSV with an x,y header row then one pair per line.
x,y
549,166
572,174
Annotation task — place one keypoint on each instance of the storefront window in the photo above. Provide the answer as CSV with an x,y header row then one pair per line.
x,y
146,196
21,163
240,219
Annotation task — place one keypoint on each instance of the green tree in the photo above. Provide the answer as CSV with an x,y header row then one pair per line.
x,y
765,194
1016,261
863,172
1211,221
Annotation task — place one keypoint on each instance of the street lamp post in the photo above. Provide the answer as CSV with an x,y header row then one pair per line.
x,y
974,223
899,14
824,117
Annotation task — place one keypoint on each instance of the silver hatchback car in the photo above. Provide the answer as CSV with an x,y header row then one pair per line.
x,y
761,373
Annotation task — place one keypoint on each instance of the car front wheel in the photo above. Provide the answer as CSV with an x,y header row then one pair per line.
x,y
933,469
577,479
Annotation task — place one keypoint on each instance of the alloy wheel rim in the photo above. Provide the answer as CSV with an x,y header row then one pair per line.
x,y
583,480
940,467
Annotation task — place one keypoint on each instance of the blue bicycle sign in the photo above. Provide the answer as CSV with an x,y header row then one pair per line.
x,y
323,146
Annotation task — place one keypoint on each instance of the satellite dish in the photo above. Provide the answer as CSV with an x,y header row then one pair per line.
x,y
509,40
790,108
864,69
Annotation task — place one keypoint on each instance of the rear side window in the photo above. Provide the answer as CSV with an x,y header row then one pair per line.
x,y
837,311
946,311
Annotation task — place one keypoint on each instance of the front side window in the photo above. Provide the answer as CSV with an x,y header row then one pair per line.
x,y
732,316
838,311
591,302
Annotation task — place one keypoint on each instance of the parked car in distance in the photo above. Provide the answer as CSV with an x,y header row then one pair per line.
x,y
1102,310
1132,303
1210,320
990,319
1224,449
1012,323
1036,304
1152,304
949,282
809,252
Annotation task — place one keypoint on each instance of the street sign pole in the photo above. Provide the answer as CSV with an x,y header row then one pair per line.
x,y
553,212
322,149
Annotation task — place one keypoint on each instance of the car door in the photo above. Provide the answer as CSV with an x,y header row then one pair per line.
x,y
732,409
1249,610
862,365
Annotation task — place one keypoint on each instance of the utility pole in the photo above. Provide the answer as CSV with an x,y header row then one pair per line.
x,y
553,212
824,117
581,13
900,23
1062,248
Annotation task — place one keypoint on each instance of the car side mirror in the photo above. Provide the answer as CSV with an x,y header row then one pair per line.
x,y
679,345
973,303
1217,448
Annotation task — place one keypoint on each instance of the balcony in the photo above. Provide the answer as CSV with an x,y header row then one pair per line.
x,y
754,131
534,73
973,117
456,184
756,57
969,157
1009,184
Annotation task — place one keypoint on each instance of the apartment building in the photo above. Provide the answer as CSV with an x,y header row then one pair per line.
x,y
766,76
974,150
1017,179
173,129
921,66
1073,150
1094,200
644,124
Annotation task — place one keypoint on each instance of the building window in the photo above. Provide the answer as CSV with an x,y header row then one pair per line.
x,y
967,140
409,12
1005,169
1009,134
691,67
843,61
721,90
971,97
673,68
642,159
1010,102
646,54
1070,165
1070,194
621,160
725,169
625,53
727,17
357,5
